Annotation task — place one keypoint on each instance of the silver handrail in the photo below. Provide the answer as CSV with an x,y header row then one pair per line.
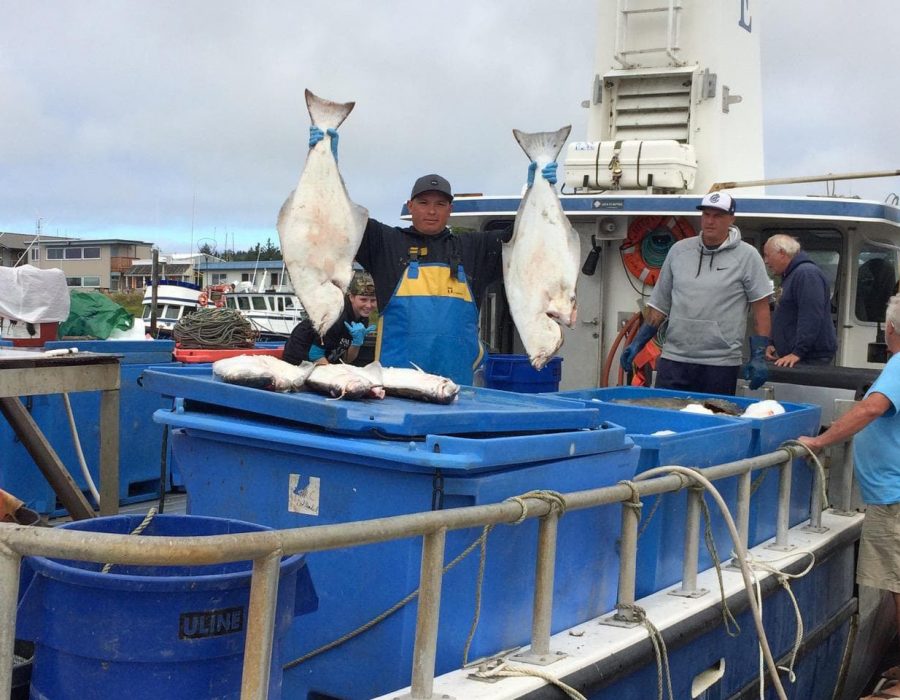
x,y
266,548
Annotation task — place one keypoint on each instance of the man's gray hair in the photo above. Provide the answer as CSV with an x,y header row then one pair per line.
x,y
788,245
892,315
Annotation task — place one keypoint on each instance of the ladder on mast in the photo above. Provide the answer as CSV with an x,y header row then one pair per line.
x,y
624,10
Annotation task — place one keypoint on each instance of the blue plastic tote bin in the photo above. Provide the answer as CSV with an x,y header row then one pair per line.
x,y
286,474
698,441
150,632
140,440
767,435
515,373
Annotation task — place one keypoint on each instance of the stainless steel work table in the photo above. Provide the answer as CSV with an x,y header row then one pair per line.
x,y
32,373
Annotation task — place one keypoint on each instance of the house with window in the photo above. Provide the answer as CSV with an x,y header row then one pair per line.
x,y
177,267
22,248
98,264
259,275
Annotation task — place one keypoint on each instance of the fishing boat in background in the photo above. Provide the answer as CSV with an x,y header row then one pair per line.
x,y
174,301
274,312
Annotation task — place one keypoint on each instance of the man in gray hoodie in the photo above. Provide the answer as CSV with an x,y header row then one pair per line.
x,y
705,288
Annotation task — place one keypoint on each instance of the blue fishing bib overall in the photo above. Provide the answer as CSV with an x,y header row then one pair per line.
x,y
431,321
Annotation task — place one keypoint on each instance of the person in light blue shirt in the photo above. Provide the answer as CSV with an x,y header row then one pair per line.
x,y
874,424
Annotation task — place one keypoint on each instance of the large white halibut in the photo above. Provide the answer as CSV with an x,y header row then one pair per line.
x,y
542,259
319,227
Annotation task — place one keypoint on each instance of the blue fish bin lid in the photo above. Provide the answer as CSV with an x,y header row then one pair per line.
x,y
476,410
515,373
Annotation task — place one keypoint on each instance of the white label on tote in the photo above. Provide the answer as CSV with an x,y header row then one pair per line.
x,y
303,494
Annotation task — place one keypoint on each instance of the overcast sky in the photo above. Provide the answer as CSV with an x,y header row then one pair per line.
x,y
183,121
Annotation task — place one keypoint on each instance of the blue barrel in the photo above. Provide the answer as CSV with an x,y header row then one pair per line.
x,y
288,475
150,632
515,373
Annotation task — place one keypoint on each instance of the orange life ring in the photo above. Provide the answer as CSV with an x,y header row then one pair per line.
x,y
203,299
649,239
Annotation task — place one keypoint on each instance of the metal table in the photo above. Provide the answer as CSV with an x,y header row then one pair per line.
x,y
32,373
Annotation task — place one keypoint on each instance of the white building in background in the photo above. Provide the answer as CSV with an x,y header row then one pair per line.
x,y
177,267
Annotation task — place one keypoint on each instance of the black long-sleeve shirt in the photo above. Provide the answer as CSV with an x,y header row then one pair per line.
x,y
385,252
336,341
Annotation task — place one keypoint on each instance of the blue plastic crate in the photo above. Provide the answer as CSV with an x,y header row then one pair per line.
x,y
515,373
286,475
698,441
768,434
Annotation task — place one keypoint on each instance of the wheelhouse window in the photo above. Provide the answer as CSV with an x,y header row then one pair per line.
x,y
823,246
259,304
876,282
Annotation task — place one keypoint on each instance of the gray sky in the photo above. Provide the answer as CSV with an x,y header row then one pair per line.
x,y
175,121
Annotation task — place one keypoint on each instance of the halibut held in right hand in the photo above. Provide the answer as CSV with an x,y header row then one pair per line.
x,y
319,227
542,259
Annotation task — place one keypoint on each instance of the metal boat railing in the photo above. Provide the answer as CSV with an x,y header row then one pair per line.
x,y
265,550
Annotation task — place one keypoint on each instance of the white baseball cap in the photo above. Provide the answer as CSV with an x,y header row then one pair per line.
x,y
718,200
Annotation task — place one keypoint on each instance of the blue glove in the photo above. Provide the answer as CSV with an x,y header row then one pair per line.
x,y
316,135
755,371
316,352
626,359
548,172
358,332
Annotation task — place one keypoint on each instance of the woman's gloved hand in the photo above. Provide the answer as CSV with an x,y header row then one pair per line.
x,y
358,332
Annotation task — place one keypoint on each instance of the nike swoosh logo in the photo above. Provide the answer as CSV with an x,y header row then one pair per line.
x,y
719,269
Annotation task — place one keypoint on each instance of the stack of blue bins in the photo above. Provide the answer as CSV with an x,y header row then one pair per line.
x,y
323,462
704,440
140,439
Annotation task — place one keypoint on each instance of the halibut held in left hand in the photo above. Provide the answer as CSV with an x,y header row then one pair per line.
x,y
319,226
542,259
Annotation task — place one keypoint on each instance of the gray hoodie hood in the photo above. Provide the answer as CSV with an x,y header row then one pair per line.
x,y
709,254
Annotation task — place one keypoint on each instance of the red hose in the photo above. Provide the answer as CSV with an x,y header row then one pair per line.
x,y
627,332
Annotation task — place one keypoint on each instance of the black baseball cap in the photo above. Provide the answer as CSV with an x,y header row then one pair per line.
x,y
431,183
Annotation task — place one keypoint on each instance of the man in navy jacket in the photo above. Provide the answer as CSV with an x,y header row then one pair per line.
x,y
802,327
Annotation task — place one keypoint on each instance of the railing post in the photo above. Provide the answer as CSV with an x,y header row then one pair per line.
x,y
545,568
625,614
745,485
9,584
691,546
782,523
430,580
260,626
815,503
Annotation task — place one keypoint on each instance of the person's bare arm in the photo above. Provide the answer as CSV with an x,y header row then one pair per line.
x,y
873,406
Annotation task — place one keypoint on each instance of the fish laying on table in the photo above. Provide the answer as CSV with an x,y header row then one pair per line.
x,y
319,226
419,385
342,381
262,372
542,259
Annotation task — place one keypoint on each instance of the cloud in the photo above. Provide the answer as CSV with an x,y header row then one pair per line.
x,y
168,118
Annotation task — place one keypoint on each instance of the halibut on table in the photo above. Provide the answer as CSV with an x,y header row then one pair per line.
x,y
542,259
319,226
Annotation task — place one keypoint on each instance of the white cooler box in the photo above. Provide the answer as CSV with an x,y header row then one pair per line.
x,y
664,165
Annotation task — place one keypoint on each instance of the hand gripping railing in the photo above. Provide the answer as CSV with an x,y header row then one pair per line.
x,y
265,550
